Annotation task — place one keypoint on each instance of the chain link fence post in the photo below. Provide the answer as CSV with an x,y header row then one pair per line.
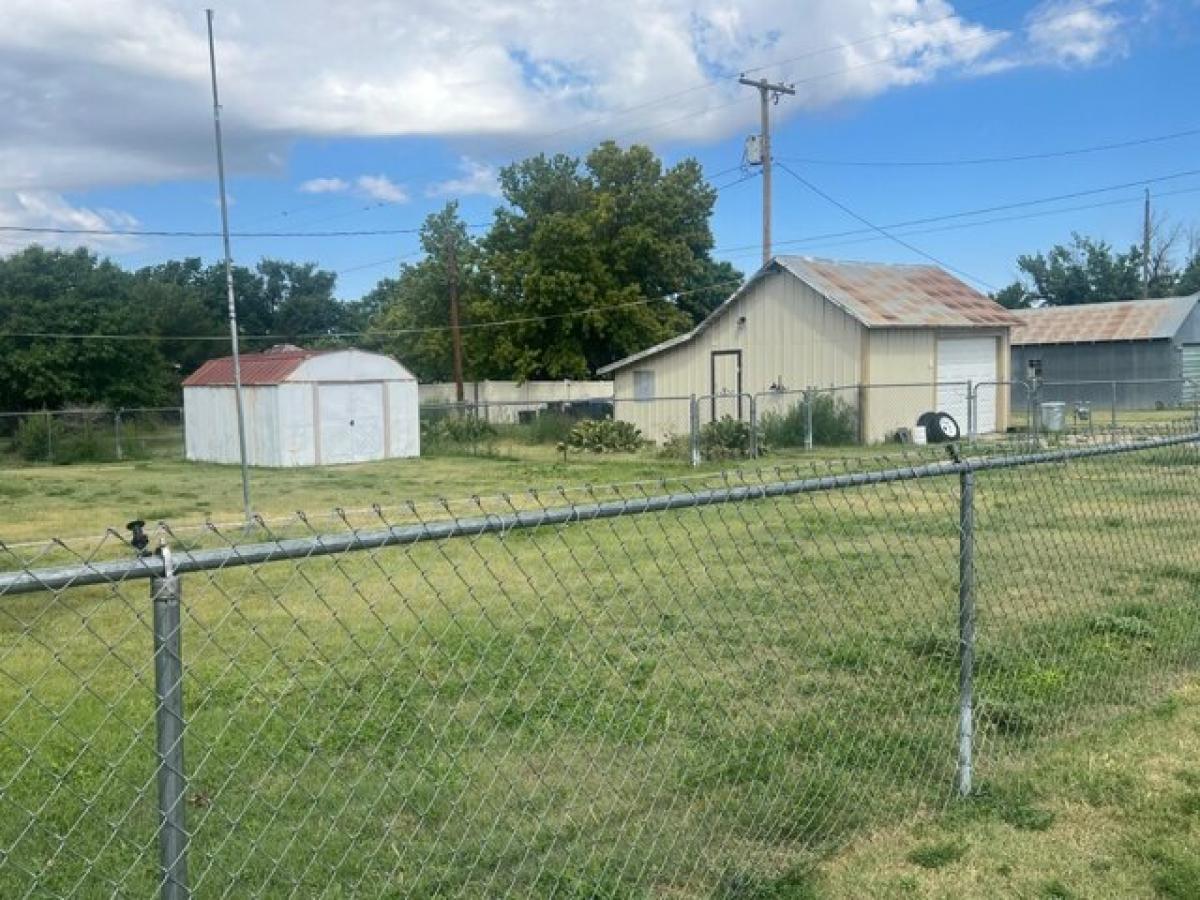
x,y
966,630
117,434
753,427
49,436
808,418
972,413
166,593
694,429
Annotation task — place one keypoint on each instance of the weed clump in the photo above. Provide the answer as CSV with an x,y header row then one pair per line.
x,y
935,856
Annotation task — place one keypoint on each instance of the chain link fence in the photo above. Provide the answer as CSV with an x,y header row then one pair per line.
x,y
61,437
686,689
699,428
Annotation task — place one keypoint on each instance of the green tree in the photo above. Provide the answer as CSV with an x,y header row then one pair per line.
x,y
409,316
1015,296
92,353
582,255
1086,271
709,285
300,298
1189,276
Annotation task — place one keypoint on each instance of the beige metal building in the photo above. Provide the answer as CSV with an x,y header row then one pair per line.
x,y
898,340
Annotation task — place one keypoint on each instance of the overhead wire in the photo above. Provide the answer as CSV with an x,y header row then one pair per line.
x,y
989,160
466,326
899,240
961,214
868,236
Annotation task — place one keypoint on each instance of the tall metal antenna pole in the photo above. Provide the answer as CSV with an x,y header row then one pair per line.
x,y
1146,247
766,93
233,329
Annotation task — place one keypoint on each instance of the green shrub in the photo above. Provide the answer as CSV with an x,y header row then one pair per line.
x,y
726,438
605,436
833,422
32,440
63,440
548,427
456,431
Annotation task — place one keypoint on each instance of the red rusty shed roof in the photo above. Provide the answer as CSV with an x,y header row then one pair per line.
x,y
271,366
889,295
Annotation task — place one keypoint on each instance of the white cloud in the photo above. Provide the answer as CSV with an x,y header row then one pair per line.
x,y
49,209
373,187
476,178
121,94
1068,34
324,186
382,188
1074,32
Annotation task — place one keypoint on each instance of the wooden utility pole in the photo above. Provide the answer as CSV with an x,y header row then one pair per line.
x,y
767,93
1146,247
455,329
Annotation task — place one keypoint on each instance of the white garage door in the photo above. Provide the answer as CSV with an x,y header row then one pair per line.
x,y
967,359
351,422
1191,373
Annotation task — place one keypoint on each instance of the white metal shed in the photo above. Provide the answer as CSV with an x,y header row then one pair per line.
x,y
303,408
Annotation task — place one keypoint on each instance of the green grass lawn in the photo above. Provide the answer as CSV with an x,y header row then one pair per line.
x,y
39,502
740,701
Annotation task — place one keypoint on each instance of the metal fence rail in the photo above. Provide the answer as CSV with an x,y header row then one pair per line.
x,y
598,693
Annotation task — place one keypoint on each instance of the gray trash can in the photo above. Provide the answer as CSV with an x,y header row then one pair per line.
x,y
1054,416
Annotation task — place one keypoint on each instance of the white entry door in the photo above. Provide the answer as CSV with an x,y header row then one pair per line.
x,y
351,417
963,359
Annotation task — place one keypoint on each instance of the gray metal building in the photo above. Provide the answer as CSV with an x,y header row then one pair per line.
x,y
1133,354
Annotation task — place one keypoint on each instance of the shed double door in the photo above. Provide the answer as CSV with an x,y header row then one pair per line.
x,y
351,422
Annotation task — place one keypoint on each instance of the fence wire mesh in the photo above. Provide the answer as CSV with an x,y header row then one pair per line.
x,y
623,691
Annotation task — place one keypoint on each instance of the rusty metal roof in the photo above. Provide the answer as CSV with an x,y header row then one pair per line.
x,y
879,295
271,366
1086,323
898,296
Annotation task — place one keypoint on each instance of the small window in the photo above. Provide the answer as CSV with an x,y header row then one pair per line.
x,y
643,384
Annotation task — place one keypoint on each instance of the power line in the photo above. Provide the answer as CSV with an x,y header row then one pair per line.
x,y
903,243
750,176
187,233
501,323
1073,195
821,241
135,232
378,262
987,160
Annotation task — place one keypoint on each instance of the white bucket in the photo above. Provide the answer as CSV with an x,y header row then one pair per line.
x,y
918,434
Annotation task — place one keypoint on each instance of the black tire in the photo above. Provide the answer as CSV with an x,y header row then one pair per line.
x,y
944,428
925,420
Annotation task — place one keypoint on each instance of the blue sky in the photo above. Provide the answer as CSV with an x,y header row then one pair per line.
x,y
359,142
